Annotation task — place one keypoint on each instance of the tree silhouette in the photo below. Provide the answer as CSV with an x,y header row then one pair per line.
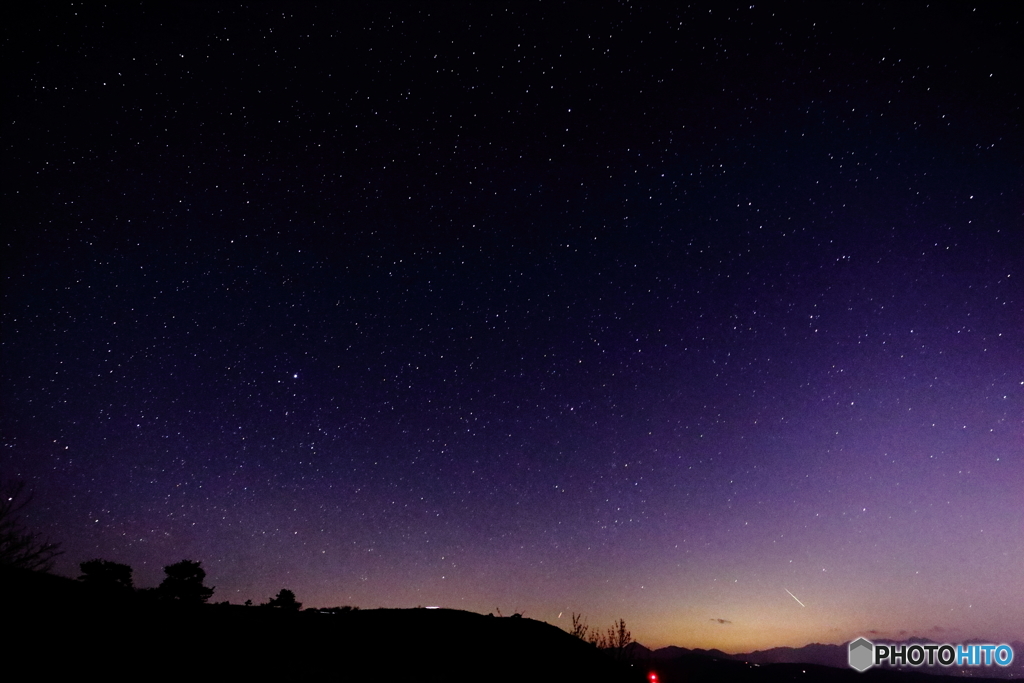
x,y
579,627
107,576
184,583
618,639
614,641
19,547
285,600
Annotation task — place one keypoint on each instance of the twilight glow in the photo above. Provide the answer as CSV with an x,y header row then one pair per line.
x,y
709,319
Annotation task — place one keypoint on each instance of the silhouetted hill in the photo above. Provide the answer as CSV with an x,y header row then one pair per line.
x,y
75,631
63,627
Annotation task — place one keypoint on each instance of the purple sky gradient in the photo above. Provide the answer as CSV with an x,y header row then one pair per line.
x,y
653,314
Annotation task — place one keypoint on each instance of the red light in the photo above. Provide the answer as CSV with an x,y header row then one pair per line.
x,y
653,677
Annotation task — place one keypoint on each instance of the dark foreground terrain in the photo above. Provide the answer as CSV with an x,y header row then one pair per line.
x,y
66,629
61,628
698,667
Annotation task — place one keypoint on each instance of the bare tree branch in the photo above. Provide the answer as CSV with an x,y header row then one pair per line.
x,y
18,546
579,627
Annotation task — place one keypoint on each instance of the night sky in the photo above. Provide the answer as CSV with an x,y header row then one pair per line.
x,y
660,314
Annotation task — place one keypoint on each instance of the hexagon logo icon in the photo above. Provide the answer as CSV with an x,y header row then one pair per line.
x,y
862,654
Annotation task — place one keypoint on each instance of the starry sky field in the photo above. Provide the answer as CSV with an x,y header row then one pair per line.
x,y
708,317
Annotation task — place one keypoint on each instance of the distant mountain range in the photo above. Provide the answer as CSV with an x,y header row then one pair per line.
x,y
63,628
835,656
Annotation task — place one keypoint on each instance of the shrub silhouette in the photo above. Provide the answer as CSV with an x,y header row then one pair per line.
x,y
579,627
614,641
618,639
19,547
106,576
285,600
184,583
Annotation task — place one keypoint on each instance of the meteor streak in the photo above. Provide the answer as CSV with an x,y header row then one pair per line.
x,y
794,597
